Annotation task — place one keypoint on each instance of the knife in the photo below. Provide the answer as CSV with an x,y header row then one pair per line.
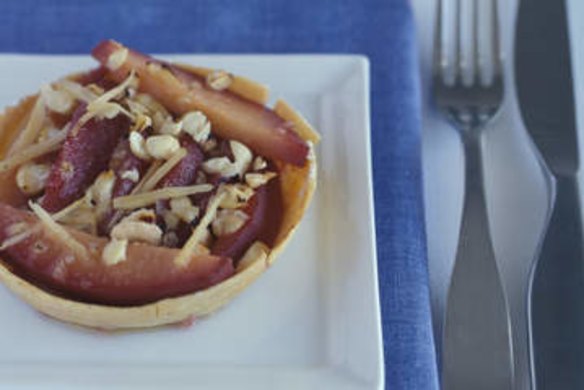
x,y
556,291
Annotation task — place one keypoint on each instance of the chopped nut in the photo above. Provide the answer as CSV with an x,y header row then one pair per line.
x,y
259,163
184,209
142,215
137,231
162,147
240,151
196,124
228,221
224,167
101,191
56,100
137,146
219,80
242,156
132,175
236,195
114,252
117,58
171,220
219,165
255,180
170,127
31,178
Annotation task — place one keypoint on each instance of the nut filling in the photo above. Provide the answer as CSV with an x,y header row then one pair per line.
x,y
159,206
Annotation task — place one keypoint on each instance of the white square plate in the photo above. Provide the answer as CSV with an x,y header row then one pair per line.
x,y
312,321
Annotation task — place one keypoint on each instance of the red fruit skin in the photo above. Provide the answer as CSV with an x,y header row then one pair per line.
x,y
122,160
84,154
185,172
233,117
148,274
265,212
274,210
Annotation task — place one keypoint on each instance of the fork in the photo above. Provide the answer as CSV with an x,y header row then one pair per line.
x,y
477,351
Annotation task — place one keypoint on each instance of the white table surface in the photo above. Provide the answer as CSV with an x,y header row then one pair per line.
x,y
517,196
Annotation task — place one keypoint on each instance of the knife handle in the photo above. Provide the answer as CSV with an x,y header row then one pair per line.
x,y
557,296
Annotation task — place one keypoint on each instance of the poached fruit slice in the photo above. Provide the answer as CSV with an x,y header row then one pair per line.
x,y
263,211
148,274
232,116
84,155
122,163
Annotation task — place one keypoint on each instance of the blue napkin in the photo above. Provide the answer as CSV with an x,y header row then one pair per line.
x,y
382,29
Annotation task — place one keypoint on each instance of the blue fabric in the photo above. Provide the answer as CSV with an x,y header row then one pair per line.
x,y
381,29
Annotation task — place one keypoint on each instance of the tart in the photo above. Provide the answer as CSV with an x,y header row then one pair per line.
x,y
144,193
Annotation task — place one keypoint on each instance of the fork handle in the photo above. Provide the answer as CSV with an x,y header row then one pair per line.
x,y
557,296
477,347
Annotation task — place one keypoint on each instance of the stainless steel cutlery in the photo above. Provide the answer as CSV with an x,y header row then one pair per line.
x,y
477,347
468,88
546,98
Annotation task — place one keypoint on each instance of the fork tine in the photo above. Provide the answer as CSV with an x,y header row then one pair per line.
x,y
497,60
457,71
477,52
438,63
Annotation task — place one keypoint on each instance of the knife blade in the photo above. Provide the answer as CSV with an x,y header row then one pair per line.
x,y
544,82
546,99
